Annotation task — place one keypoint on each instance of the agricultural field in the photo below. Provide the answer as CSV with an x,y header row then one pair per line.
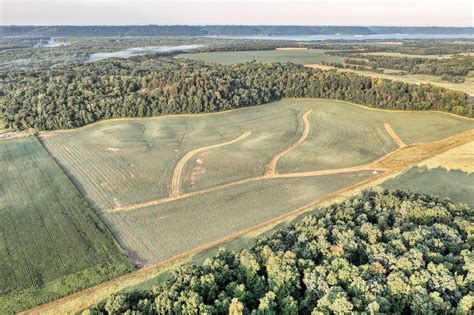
x,y
450,175
297,56
141,173
246,171
400,55
155,233
51,242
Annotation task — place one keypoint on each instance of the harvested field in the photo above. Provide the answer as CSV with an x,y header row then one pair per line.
x,y
400,55
298,56
460,158
51,242
291,48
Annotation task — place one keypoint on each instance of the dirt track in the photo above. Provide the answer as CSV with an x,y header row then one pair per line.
x,y
394,136
176,180
270,169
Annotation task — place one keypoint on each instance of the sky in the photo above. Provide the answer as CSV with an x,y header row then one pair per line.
x,y
198,12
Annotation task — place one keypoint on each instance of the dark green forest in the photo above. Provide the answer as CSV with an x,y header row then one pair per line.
x,y
451,69
382,252
75,95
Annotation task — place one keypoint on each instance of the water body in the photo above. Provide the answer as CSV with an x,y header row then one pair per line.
x,y
52,43
138,51
353,37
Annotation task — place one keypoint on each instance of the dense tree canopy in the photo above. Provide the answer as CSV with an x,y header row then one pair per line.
x,y
388,252
451,69
76,95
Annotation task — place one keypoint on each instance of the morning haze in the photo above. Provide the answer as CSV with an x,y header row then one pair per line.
x,y
323,12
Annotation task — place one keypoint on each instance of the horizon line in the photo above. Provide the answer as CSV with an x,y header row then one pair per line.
x,y
303,25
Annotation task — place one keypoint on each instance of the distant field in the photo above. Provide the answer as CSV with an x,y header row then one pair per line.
x,y
315,56
396,54
450,174
285,55
51,242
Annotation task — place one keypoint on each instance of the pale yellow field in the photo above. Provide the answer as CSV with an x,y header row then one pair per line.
x,y
292,48
460,158
396,54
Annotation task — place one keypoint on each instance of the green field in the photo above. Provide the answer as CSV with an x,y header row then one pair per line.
x,y
454,184
124,162
345,135
450,174
155,233
295,56
125,167
51,242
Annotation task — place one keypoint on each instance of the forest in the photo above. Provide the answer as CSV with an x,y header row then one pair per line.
x,y
450,69
389,252
75,95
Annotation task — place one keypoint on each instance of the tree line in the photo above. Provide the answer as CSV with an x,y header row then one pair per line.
x,y
382,252
75,95
452,69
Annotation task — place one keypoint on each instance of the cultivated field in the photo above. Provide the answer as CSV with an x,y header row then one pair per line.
x,y
450,174
400,55
140,173
158,232
233,212
51,242
298,56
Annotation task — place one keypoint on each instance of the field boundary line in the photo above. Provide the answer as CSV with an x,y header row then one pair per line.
x,y
271,167
80,193
176,180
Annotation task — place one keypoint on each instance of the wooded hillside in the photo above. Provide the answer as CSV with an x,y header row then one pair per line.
x,y
75,95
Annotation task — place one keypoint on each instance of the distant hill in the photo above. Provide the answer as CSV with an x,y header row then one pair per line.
x,y
223,30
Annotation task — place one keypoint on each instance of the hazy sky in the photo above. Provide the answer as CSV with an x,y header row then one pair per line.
x,y
316,12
